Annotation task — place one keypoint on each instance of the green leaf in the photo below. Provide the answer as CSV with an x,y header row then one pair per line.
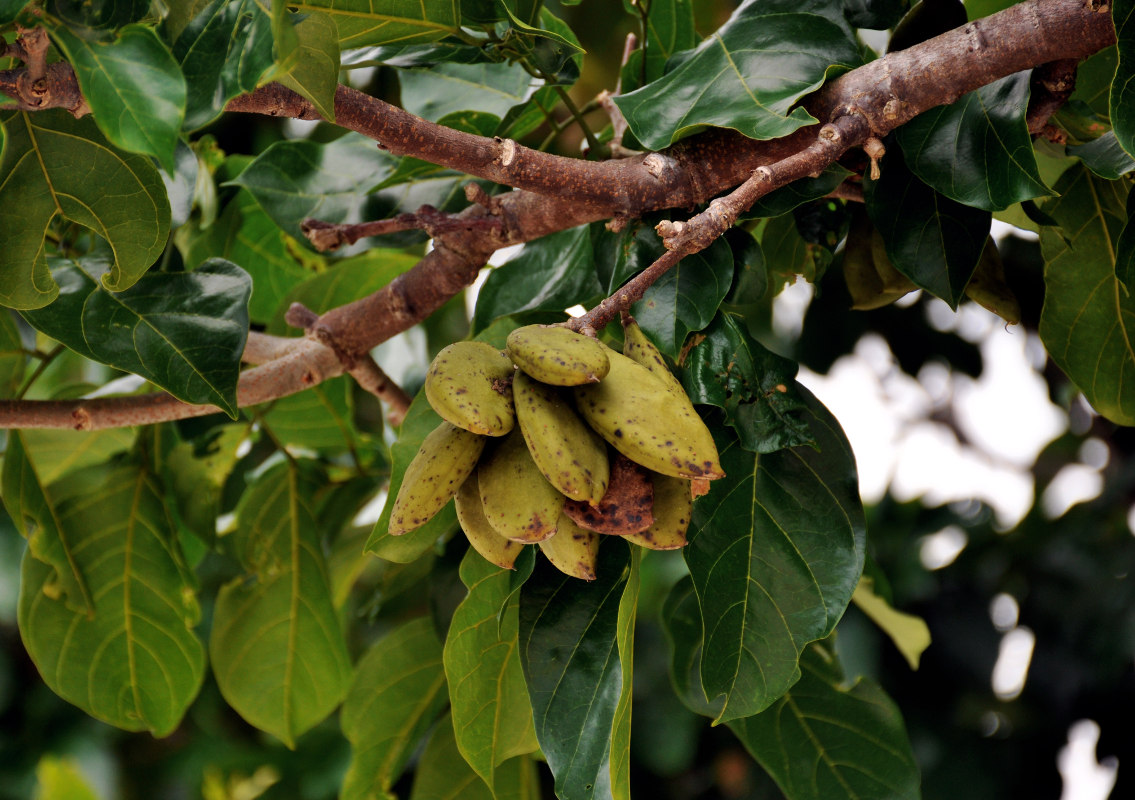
x,y
246,236
135,662
756,388
776,550
31,504
686,298
61,779
419,423
398,690
909,633
443,775
12,358
552,52
118,196
314,72
788,254
223,52
98,18
681,621
1121,103
195,473
294,180
875,15
134,87
320,419
620,757
10,9
550,274
277,650
669,28
182,331
1086,309
346,280
933,240
569,650
1104,157
57,451
448,88
826,740
369,22
747,75
492,717
977,151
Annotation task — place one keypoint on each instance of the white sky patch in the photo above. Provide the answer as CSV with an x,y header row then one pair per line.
x,y
1074,483
938,550
371,511
789,307
1004,612
1013,659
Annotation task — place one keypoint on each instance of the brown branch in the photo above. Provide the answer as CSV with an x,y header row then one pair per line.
x,y
564,193
1052,84
329,236
694,235
371,377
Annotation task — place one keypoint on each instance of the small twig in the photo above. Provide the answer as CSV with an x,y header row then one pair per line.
x,y
371,377
847,190
685,238
329,236
1052,84
34,43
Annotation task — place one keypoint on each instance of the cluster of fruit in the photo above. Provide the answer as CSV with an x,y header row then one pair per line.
x,y
524,447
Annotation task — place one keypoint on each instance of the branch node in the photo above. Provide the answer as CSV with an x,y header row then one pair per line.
x,y
81,419
300,316
763,174
831,133
657,165
507,151
617,223
891,109
475,194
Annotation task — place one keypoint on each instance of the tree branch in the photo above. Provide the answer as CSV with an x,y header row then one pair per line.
x,y
557,193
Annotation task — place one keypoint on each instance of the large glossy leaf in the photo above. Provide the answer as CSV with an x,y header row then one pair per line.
x,y
223,52
246,236
314,71
117,195
747,75
398,690
977,150
492,717
134,662
134,87
183,331
933,240
442,773
828,740
569,650
277,650
776,550
682,623
686,298
371,22
448,88
1104,156
1121,104
550,274
294,180
754,386
419,423
1088,320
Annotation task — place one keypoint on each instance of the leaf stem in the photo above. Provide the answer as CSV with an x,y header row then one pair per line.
x,y
46,360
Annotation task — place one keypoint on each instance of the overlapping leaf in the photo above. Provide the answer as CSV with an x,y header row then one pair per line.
x,y
933,240
119,196
223,52
12,357
195,473
314,70
550,274
449,88
1088,320
569,650
56,451
748,74
370,22
977,150
776,551
443,775
277,650
319,419
249,238
398,690
134,660
1104,156
134,87
492,717
620,758
294,180
183,331
669,26
93,20
755,387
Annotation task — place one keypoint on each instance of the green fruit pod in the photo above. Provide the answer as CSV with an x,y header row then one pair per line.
x,y
468,385
558,356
